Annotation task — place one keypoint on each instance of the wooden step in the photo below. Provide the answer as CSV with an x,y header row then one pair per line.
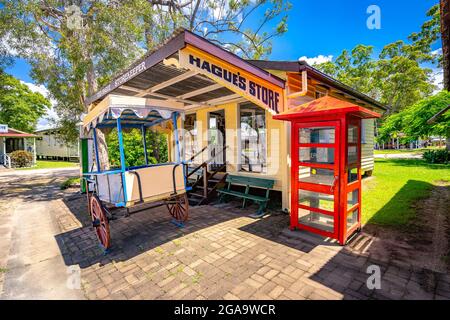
x,y
196,195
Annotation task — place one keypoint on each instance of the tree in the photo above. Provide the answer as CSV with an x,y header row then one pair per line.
x,y
229,23
134,149
20,107
445,31
413,121
74,49
396,77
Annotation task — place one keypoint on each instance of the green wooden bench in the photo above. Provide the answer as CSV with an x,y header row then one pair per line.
x,y
248,182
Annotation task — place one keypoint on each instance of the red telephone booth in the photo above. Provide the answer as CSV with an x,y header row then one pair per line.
x,y
326,166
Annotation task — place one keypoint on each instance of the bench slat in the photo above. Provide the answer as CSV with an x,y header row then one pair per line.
x,y
251,181
243,195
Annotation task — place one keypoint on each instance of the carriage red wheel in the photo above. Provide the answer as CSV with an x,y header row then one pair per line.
x,y
100,222
179,207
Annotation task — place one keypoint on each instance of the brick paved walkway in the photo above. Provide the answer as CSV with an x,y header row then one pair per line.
x,y
221,253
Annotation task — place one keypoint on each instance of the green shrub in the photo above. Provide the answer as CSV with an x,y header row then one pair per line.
x,y
437,156
21,158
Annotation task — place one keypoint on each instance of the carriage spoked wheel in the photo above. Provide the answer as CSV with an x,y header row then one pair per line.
x,y
100,222
178,207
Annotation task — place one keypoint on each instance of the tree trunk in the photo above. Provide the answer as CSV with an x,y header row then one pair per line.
x,y
91,80
148,32
447,140
445,31
102,150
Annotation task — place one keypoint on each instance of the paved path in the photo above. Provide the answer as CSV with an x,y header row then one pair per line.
x,y
221,253
31,261
398,156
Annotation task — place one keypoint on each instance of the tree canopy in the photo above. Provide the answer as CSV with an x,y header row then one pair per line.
x,y
74,49
412,122
396,77
20,107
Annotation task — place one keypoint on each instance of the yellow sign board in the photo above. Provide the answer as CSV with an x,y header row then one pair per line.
x,y
244,83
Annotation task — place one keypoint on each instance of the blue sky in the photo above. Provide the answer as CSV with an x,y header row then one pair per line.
x,y
325,27
329,26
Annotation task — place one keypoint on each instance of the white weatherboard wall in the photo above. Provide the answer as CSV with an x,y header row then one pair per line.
x,y
367,144
50,146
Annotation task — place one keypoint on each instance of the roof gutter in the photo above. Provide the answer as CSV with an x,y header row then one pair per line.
x,y
339,85
304,87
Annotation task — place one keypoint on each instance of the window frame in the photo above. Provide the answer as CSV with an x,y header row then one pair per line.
x,y
243,106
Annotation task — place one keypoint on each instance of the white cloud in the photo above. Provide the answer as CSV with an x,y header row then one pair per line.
x,y
316,60
438,79
436,52
43,122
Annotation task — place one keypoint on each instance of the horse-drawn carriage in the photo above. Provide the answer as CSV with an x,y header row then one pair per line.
x,y
132,186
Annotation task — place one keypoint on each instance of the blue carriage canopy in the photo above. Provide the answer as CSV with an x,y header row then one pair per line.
x,y
127,186
132,112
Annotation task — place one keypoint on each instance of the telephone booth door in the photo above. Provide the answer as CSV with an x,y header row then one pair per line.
x,y
315,177
351,179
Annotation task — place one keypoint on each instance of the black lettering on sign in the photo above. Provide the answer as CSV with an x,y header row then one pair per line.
x,y
227,75
242,83
252,90
205,66
268,97
192,59
217,71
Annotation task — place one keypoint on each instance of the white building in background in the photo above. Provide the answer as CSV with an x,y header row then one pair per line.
x,y
50,146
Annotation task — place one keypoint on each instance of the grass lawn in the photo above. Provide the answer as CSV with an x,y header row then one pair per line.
x,y
73,181
396,151
397,184
44,164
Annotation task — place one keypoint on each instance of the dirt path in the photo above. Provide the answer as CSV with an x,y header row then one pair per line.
x,y
424,242
31,262
434,220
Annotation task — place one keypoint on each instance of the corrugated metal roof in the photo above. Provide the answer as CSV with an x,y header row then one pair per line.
x,y
14,133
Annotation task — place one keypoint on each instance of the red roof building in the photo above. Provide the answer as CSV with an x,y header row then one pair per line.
x,y
13,140
14,133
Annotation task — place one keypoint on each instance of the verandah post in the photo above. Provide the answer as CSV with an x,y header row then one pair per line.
x,y
122,159
144,142
175,132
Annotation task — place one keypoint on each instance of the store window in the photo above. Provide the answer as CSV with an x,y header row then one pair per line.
x,y
253,134
190,135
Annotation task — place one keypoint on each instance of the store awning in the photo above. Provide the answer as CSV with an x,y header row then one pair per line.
x,y
326,105
193,71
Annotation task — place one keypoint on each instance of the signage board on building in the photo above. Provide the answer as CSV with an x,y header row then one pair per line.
x,y
3,128
251,87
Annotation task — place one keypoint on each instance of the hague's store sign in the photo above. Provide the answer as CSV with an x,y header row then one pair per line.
x,y
253,88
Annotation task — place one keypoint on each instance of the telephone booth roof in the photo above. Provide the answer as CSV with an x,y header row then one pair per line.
x,y
326,106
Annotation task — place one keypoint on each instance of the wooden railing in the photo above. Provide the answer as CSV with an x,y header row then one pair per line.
x,y
5,160
206,176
